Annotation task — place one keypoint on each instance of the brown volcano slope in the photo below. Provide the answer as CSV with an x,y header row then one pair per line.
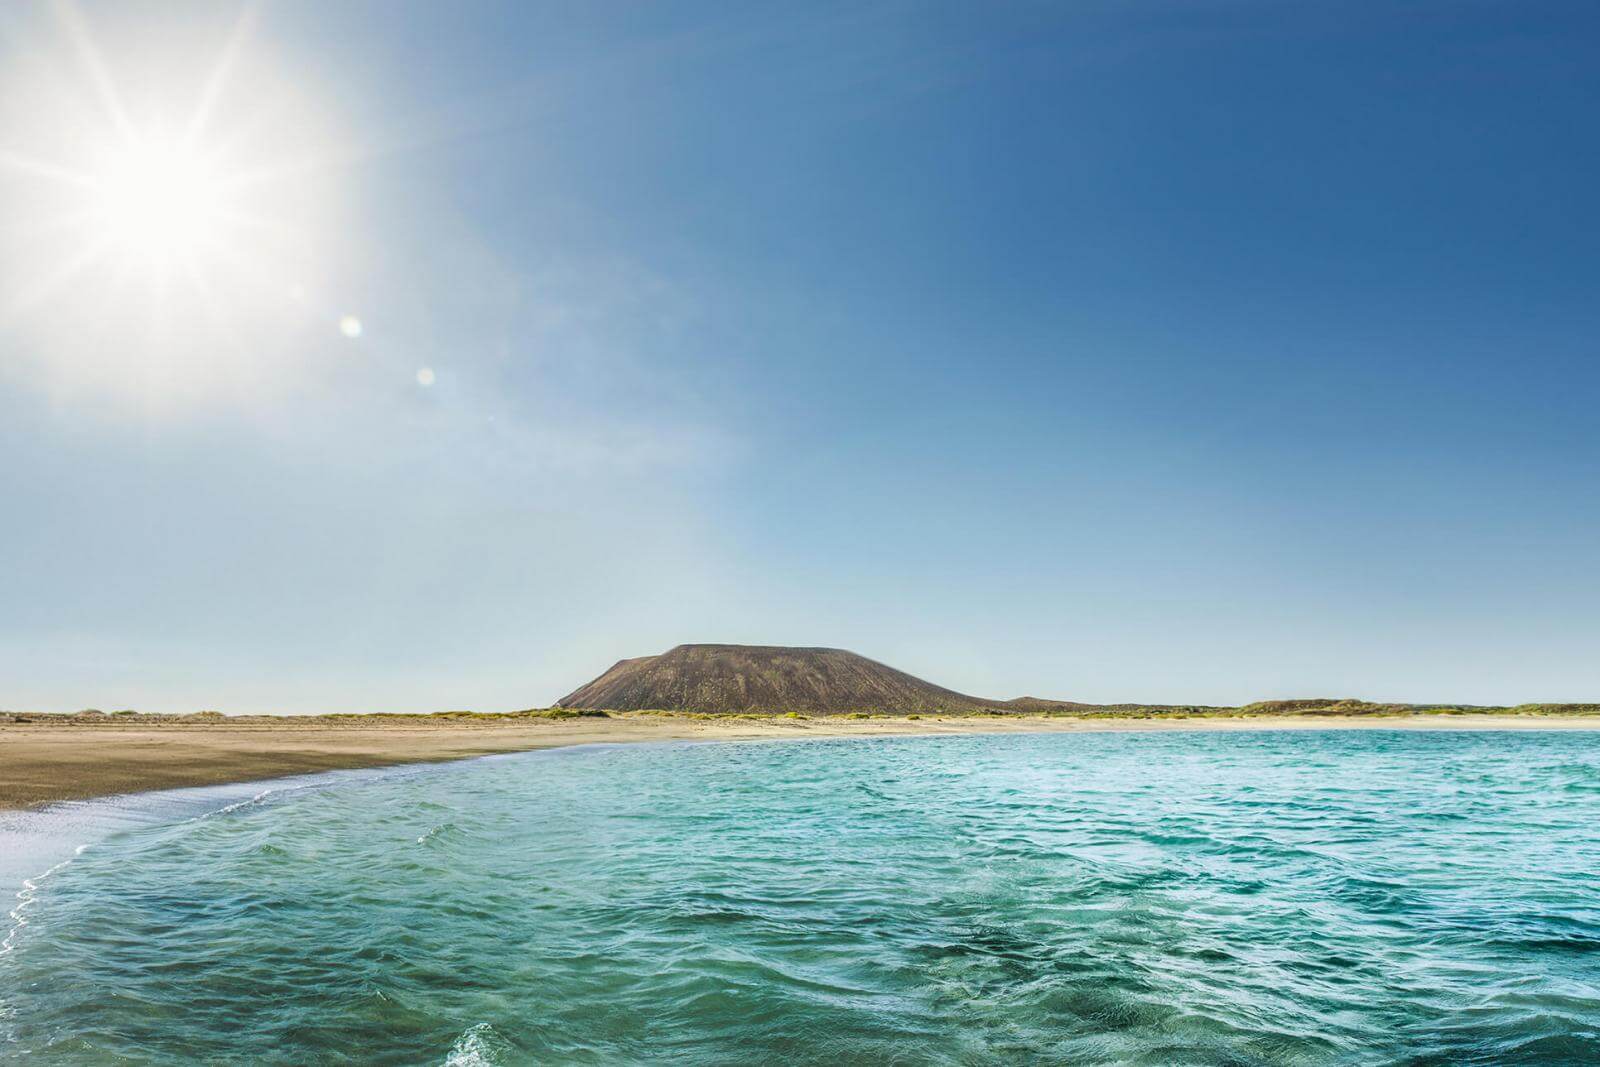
x,y
728,678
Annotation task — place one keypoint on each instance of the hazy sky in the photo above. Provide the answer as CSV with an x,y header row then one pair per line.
x,y
1166,351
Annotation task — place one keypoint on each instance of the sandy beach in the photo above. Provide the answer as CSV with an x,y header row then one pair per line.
x,y
44,762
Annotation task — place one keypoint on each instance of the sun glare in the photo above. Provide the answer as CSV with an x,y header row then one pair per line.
x,y
167,212
159,203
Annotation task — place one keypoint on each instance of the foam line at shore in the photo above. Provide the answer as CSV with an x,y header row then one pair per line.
x,y
35,843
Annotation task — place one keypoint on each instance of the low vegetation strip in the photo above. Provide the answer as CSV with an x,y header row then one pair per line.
x,y
92,718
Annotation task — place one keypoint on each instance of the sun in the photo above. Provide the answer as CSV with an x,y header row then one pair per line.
x,y
152,182
171,208
159,204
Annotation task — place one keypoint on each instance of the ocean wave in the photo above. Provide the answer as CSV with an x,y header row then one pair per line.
x,y
1061,898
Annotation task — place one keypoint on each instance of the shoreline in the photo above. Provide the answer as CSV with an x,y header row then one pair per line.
x,y
42,764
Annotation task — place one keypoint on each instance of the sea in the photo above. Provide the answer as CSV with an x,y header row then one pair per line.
x,y
1188,897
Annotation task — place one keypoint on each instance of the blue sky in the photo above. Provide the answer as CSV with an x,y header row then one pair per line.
x,y
1105,351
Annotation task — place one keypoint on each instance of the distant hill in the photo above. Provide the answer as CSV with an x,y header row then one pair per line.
x,y
730,678
723,679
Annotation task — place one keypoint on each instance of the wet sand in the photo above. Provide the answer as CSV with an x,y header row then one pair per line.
x,y
43,762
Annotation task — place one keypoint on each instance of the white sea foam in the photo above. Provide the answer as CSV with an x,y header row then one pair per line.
x,y
479,1046
15,919
236,805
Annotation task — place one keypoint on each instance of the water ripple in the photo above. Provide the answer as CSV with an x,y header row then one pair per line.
x,y
1148,899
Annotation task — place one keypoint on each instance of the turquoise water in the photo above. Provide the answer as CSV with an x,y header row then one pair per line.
x,y
1272,898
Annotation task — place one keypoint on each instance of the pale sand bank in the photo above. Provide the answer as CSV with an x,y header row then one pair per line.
x,y
45,762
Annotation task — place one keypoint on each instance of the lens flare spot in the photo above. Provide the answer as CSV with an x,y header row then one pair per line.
x,y
425,376
350,326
